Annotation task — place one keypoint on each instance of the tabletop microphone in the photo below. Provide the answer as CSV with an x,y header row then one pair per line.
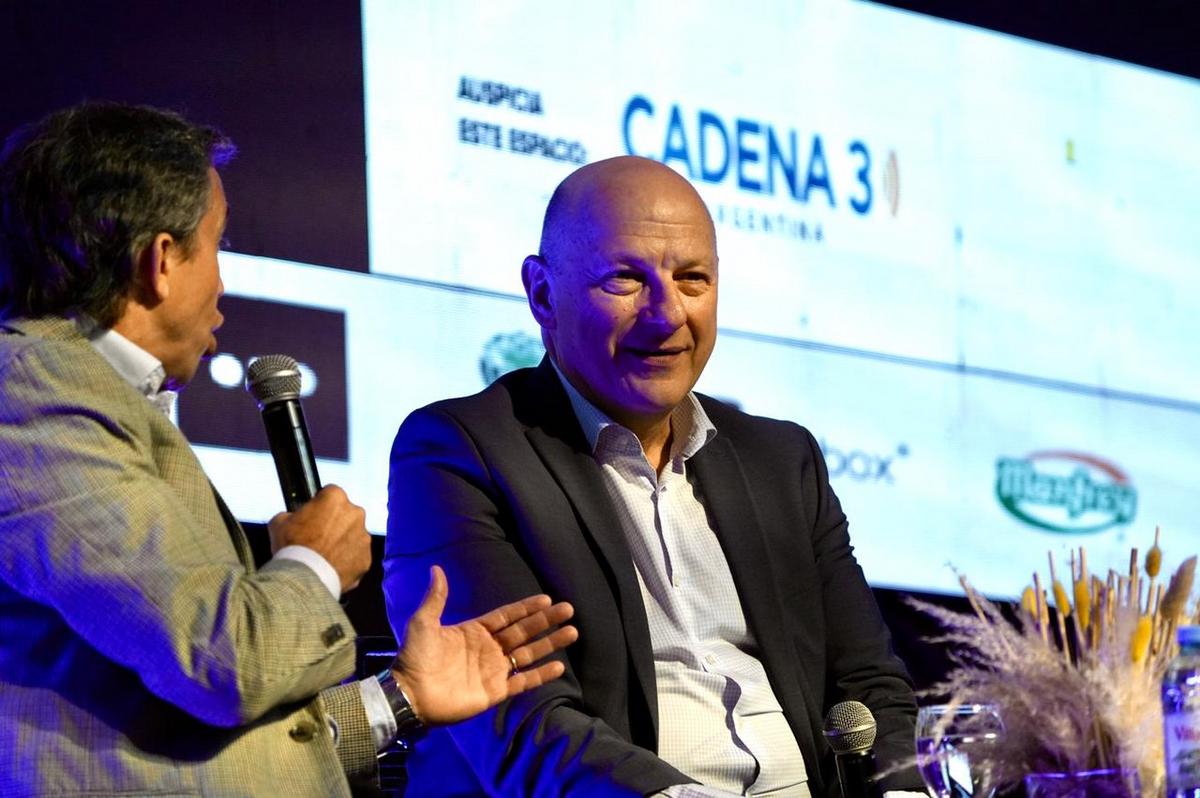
x,y
850,731
274,381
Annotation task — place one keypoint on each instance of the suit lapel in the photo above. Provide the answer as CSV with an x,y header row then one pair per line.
x,y
728,497
236,533
560,443
181,469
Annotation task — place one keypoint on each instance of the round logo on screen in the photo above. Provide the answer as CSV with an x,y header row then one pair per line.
x,y
505,352
1061,491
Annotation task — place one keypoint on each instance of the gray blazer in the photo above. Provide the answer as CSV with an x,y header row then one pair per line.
x,y
140,651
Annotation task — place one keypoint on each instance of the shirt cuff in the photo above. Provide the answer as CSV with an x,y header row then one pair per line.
x,y
319,565
379,712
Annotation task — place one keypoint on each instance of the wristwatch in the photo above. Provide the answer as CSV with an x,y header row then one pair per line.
x,y
409,728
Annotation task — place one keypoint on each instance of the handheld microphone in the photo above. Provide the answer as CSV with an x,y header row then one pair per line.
x,y
274,381
850,731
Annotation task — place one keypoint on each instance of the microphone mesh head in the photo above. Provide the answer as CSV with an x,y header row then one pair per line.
x,y
272,378
850,727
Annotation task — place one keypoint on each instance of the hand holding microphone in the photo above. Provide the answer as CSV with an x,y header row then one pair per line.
x,y
322,519
332,526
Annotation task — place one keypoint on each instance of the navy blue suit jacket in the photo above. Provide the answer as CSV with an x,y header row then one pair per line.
x,y
500,488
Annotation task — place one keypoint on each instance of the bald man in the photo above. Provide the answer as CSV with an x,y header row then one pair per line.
x,y
720,609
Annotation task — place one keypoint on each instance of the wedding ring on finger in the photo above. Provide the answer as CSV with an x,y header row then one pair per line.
x,y
513,661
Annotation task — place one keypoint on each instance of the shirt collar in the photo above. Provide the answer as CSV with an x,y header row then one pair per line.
x,y
690,426
135,365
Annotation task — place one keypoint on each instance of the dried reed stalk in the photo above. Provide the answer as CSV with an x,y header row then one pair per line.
x,y
1098,708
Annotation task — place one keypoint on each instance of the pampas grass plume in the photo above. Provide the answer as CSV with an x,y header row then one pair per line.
x,y
1092,702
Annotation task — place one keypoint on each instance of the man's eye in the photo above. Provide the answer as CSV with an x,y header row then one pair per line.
x,y
622,281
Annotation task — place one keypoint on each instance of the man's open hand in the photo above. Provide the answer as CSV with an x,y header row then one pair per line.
x,y
450,673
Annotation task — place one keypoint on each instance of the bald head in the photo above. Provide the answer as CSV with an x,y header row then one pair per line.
x,y
594,198
625,289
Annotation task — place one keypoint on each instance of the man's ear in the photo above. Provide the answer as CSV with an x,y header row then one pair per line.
x,y
153,268
535,274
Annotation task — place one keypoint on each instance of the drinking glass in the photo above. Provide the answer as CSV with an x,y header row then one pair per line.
x,y
1108,783
951,742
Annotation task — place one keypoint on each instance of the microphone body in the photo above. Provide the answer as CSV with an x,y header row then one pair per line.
x,y
856,774
287,435
850,731
274,380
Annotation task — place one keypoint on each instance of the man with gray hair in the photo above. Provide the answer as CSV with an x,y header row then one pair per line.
x,y
141,650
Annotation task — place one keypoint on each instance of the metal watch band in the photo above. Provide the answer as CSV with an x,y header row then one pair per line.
x,y
409,727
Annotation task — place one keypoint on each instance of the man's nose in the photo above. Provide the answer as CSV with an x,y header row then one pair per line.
x,y
664,307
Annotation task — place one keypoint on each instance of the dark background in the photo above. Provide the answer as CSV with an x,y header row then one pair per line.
x,y
284,79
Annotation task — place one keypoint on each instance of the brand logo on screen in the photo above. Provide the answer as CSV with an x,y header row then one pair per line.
x,y
1061,491
508,351
861,465
215,409
758,157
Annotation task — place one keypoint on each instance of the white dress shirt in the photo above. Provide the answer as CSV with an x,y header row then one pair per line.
x,y
719,720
